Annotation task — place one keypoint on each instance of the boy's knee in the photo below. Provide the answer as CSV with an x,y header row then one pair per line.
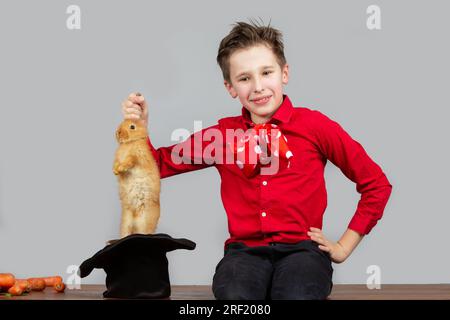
x,y
312,291
232,291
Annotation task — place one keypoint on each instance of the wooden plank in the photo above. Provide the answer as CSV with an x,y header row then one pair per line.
x,y
340,292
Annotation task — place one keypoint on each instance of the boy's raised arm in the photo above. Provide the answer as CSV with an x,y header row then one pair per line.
x,y
175,159
185,156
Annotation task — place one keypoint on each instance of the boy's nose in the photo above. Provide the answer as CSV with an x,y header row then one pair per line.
x,y
258,86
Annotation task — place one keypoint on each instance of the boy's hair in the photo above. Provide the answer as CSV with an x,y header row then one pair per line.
x,y
244,35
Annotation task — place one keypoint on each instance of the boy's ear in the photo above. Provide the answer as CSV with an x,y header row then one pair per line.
x,y
230,89
285,74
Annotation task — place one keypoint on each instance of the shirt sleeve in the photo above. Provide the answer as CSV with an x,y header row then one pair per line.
x,y
188,155
351,158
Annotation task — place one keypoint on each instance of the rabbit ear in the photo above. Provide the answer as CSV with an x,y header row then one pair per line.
x,y
117,134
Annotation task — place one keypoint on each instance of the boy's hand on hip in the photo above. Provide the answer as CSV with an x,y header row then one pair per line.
x,y
337,252
135,107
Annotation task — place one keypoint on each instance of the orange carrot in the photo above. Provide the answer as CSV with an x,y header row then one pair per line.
x,y
7,280
15,290
37,284
59,286
24,284
51,281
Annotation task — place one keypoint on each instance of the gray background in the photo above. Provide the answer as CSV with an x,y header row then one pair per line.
x,y
60,105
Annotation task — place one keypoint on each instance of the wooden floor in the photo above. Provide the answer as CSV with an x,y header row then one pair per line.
x,y
340,292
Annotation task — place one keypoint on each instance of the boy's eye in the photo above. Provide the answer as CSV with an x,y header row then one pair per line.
x,y
264,73
132,127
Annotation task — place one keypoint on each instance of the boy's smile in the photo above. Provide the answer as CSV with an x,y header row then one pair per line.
x,y
257,79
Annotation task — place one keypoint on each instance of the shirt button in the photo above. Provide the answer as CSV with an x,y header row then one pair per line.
x,y
263,214
264,183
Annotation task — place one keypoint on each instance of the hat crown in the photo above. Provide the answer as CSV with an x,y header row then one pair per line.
x,y
136,266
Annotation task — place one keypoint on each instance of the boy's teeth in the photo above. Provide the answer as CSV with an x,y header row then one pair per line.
x,y
260,100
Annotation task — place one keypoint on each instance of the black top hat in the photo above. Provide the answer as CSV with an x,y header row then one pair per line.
x,y
136,266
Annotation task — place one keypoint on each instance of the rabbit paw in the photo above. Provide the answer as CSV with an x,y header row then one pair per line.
x,y
118,169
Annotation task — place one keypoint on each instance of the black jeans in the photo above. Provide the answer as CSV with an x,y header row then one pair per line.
x,y
299,271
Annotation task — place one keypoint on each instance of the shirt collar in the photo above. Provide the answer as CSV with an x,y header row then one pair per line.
x,y
283,113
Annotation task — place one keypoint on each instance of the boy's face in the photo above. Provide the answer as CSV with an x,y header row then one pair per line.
x,y
255,74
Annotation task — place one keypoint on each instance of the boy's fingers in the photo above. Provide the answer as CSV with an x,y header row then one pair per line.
x,y
131,112
318,240
324,248
131,116
134,95
134,106
128,106
314,234
315,229
134,111
136,98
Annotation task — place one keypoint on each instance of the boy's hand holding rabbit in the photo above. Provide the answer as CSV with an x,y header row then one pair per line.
x,y
135,107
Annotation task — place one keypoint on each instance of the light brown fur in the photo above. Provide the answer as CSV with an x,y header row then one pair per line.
x,y
139,180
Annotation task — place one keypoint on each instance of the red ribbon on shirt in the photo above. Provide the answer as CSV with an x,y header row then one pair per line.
x,y
258,146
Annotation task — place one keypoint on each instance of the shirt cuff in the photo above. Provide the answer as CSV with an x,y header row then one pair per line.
x,y
362,224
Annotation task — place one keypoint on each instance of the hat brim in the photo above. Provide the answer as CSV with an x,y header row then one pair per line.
x,y
140,243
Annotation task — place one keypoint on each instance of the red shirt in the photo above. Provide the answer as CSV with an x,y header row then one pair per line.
x,y
282,207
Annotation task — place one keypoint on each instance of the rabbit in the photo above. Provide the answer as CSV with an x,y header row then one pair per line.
x,y
139,180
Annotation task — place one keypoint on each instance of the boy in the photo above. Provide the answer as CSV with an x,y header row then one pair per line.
x,y
276,248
